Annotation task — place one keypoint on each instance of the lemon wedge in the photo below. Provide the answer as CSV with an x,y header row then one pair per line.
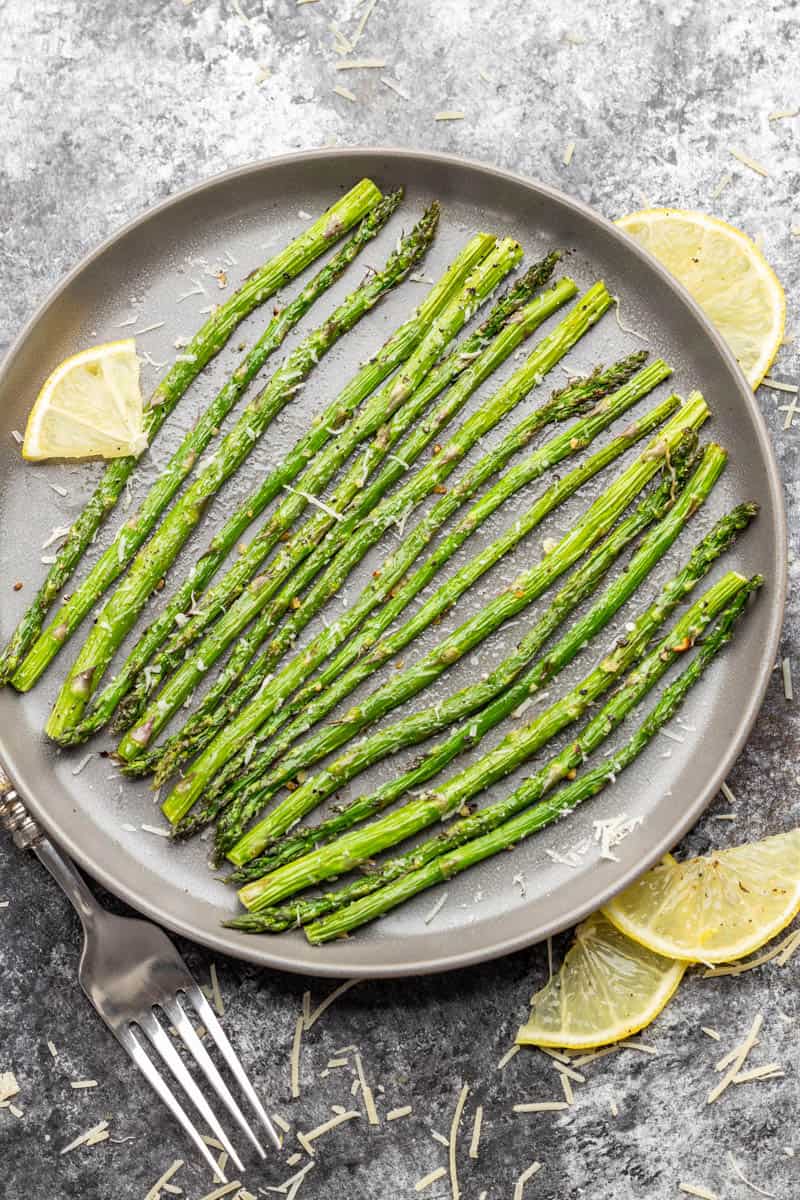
x,y
727,275
608,988
714,909
90,406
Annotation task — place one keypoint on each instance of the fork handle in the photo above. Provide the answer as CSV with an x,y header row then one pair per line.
x,y
27,834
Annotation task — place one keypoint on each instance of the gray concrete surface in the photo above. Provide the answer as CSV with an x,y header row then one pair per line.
x,y
106,108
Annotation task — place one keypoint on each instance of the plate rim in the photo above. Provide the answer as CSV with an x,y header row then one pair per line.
x,y
315,964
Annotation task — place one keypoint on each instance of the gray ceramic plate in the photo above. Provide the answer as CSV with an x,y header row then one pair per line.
x,y
142,273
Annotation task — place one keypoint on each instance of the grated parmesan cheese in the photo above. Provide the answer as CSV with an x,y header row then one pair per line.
x,y
96,1134
568,153
691,1189
312,1018
748,162
753,1187
346,94
366,1092
507,1057
83,1083
449,114
437,908
57,534
84,762
428,1179
454,1127
519,1186
627,328
786,669
737,1059
395,1114
360,64
394,87
162,833
305,1139
294,1059
542,1106
474,1141
777,385
160,1184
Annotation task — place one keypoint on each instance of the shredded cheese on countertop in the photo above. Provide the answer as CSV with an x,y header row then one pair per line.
x,y
454,1127
305,1139
360,64
542,1106
98,1132
782,952
753,1187
225,1190
314,1016
294,1060
156,1189
569,1072
737,1057
519,1186
691,1189
748,162
346,94
474,1141
428,1179
83,1083
8,1085
366,1092
395,1114
394,87
449,114
771,1070
507,1057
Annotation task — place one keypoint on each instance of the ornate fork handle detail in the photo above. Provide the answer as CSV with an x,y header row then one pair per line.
x,y
15,817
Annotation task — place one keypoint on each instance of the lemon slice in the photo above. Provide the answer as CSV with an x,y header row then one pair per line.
x,y
727,275
90,406
608,988
714,909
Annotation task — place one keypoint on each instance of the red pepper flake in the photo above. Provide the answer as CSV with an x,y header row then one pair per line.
x,y
18,586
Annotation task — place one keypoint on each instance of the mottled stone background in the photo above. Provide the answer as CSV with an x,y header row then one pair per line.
x,y
108,107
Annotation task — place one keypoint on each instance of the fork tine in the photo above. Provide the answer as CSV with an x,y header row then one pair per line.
x,y
160,1041
128,1039
209,1019
192,1042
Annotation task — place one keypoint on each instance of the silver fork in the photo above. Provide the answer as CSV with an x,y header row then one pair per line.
x,y
129,969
